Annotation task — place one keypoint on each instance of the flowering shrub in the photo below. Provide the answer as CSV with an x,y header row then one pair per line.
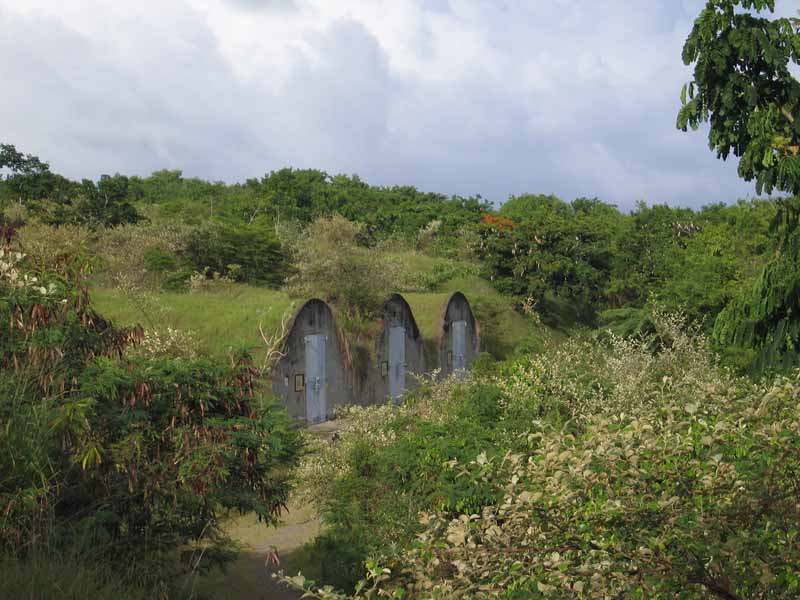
x,y
385,466
623,469
582,378
13,276
166,342
695,503
427,234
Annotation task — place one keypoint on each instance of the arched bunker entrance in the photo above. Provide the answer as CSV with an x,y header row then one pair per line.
x,y
311,377
398,354
459,337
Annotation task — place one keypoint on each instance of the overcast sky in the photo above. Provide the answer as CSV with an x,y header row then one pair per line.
x,y
572,97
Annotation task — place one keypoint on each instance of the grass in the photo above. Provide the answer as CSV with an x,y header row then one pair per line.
x,y
63,578
502,327
223,318
229,315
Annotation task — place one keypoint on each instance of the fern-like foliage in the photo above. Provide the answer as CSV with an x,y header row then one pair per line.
x,y
759,331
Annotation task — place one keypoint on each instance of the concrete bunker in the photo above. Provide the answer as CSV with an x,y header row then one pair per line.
x,y
311,377
398,354
459,336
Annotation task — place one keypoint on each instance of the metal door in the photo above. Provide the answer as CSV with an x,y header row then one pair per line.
x,y
459,348
397,362
316,381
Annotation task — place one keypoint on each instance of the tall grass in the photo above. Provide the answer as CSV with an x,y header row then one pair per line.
x,y
43,577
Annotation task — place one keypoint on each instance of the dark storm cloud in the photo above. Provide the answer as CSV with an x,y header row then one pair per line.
x,y
572,98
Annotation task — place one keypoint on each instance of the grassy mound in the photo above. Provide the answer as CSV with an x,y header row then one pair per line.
x,y
229,316
222,318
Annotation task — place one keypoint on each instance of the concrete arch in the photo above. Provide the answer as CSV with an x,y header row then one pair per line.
x,y
458,336
312,377
397,355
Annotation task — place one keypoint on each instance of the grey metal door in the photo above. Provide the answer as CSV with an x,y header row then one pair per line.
x,y
397,362
316,397
459,348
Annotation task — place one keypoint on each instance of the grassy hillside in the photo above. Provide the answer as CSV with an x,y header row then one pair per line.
x,y
229,316
502,327
219,319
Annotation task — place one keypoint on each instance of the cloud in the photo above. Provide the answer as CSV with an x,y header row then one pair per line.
x,y
577,98
275,5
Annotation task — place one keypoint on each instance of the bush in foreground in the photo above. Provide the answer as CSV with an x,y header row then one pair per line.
x,y
618,472
139,456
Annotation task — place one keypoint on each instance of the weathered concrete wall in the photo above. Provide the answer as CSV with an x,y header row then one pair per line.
x,y
372,385
457,309
314,317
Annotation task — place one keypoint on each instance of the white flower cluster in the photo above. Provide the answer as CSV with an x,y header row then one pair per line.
x,y
13,275
201,281
621,376
167,342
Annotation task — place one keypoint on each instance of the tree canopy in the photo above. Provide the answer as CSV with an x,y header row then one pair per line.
x,y
744,89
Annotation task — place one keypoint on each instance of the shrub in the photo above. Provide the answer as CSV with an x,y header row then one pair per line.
x,y
177,281
139,454
596,471
427,235
14,214
254,249
157,260
330,263
387,465
411,278
48,247
685,502
124,252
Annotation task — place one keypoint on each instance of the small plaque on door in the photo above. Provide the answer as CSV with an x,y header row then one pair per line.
x,y
384,368
299,382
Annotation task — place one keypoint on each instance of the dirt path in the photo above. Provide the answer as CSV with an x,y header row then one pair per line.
x,y
249,578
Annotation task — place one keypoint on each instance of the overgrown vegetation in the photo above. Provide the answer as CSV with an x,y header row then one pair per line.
x,y
583,262
630,430
587,471
330,263
137,455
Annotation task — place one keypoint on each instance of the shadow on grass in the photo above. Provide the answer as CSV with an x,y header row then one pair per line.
x,y
248,578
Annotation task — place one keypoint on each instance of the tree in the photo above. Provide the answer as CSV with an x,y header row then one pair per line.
x,y
744,89
106,202
330,263
30,179
254,248
544,248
